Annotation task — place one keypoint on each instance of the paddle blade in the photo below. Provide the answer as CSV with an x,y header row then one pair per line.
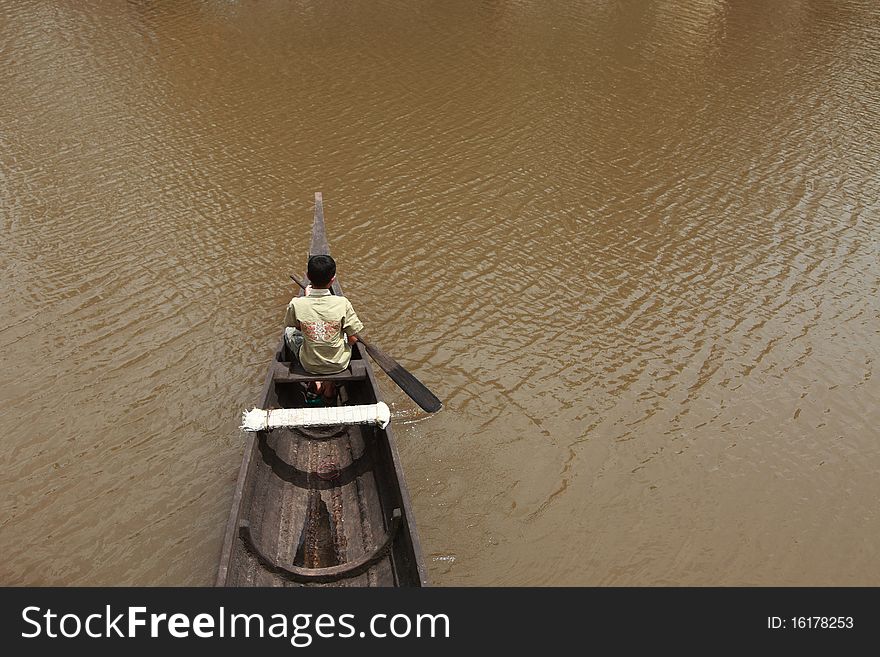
x,y
416,390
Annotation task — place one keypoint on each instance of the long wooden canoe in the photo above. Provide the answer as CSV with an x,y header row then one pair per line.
x,y
321,505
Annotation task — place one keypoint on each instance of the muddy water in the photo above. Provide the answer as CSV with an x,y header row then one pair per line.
x,y
633,246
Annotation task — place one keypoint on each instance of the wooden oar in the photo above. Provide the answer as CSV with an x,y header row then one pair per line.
x,y
417,390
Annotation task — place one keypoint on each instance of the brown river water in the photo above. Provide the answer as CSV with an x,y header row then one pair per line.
x,y
633,246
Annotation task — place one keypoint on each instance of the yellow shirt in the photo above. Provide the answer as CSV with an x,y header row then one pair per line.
x,y
325,319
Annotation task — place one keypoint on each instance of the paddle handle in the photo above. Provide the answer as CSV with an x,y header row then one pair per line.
x,y
298,281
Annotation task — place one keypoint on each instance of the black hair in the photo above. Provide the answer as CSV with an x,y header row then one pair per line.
x,y
322,269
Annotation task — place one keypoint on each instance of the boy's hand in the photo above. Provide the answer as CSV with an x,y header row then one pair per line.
x,y
308,290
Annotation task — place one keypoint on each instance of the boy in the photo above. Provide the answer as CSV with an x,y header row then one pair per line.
x,y
316,326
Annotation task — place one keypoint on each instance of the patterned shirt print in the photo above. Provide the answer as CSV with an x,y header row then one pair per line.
x,y
321,331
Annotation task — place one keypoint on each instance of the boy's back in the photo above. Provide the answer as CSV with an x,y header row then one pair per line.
x,y
324,319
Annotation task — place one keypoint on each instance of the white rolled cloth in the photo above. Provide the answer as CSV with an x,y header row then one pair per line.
x,y
259,419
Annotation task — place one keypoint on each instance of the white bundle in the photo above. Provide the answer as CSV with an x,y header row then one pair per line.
x,y
259,419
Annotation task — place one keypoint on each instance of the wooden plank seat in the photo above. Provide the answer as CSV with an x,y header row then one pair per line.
x,y
294,373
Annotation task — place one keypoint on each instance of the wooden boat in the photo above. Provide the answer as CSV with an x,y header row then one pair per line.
x,y
321,505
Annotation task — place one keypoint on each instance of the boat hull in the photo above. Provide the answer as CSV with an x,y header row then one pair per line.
x,y
321,506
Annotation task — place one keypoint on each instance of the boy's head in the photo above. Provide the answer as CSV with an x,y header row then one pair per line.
x,y
322,269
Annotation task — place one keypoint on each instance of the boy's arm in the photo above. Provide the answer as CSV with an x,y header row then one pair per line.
x,y
291,309
353,326
290,317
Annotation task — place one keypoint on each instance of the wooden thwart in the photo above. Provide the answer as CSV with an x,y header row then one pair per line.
x,y
285,373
